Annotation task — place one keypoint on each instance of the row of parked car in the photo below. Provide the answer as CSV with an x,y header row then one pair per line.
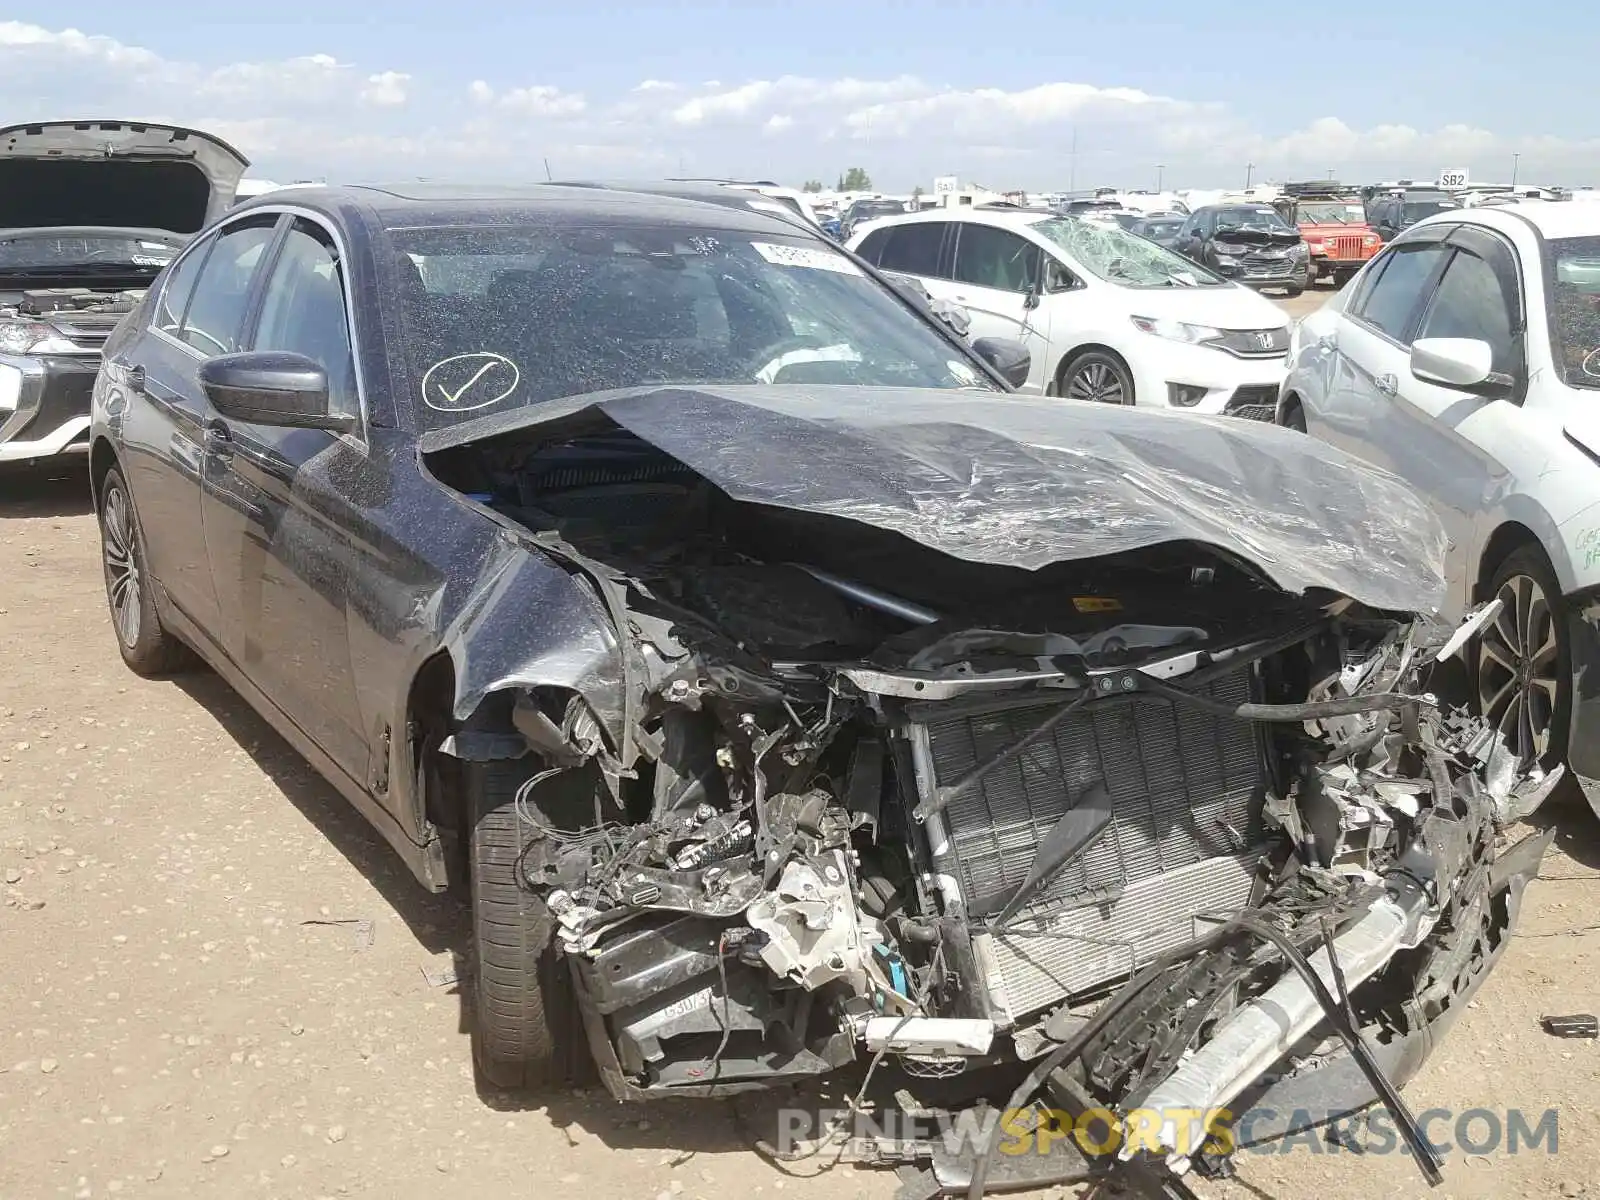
x,y
699,598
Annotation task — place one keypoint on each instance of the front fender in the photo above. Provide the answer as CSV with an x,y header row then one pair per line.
x,y
528,622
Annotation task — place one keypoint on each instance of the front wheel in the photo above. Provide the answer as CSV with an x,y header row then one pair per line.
x,y
1097,376
527,1031
1523,672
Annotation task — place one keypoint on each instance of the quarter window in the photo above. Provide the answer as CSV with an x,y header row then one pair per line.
x,y
1394,296
1471,304
995,258
912,248
302,311
216,311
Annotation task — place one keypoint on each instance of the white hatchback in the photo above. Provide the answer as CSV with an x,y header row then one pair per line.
x,y
1105,314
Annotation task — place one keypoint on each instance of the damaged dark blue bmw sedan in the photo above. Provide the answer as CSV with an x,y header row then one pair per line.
x,y
785,692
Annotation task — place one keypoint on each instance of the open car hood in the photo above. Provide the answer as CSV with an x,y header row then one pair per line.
x,y
1025,483
114,173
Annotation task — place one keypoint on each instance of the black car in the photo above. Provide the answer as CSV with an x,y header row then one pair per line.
x,y
1161,230
862,211
780,687
90,211
1250,243
1390,213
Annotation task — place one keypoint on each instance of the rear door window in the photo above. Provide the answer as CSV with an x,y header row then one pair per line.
x,y
913,249
176,290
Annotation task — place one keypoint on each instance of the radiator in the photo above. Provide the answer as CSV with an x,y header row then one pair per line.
x,y
1185,789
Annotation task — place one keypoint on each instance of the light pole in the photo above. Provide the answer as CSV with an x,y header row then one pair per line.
x,y
1160,173
1249,169
1515,160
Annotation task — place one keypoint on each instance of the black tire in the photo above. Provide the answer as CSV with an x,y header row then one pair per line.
x,y
147,646
1523,566
1087,367
1293,290
527,1031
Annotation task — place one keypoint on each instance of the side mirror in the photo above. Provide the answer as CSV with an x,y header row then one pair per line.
x,y
1465,363
271,387
1010,358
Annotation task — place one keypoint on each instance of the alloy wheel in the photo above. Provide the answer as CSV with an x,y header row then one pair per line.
x,y
1098,381
123,582
1518,669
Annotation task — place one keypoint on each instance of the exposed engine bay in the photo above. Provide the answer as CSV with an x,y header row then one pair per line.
x,y
870,799
83,316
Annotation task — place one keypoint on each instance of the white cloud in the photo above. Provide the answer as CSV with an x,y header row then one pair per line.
x,y
542,101
314,114
386,89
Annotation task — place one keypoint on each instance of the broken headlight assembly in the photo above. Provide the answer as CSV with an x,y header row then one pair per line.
x,y
33,337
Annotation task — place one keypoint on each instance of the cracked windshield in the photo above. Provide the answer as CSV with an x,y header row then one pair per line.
x,y
1111,253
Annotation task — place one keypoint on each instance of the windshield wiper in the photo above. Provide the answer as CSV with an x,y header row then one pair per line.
x,y
80,268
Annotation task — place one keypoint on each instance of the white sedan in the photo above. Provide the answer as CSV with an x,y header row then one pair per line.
x,y
1466,359
1107,315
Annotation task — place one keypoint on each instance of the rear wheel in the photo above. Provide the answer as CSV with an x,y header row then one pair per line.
x,y
1097,376
1523,674
527,1032
146,645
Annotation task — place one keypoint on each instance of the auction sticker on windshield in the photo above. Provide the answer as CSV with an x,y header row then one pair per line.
x,y
805,256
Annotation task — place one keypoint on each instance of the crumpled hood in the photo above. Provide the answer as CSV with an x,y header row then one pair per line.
x,y
1020,482
1257,235
122,174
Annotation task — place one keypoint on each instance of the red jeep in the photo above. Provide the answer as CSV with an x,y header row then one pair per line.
x,y
1334,225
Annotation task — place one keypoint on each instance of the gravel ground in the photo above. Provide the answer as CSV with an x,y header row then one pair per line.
x,y
186,1007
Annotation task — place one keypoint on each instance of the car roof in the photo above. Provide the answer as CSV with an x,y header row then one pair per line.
x,y
430,204
1552,218
1006,218
1548,218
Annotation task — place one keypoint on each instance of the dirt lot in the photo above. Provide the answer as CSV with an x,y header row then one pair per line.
x,y
182,1014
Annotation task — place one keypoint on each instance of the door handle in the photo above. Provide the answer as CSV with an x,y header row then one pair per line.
x,y
1387,384
218,440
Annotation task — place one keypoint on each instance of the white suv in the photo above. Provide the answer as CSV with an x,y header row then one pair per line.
x,y
1106,315
1466,359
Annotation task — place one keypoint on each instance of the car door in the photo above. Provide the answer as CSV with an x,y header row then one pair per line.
x,y
1455,445
996,275
1191,238
1379,411
277,543
198,311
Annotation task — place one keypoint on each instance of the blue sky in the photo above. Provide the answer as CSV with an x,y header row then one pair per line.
x,y
995,92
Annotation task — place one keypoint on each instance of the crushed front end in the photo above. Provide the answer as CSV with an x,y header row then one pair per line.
x,y
1102,818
